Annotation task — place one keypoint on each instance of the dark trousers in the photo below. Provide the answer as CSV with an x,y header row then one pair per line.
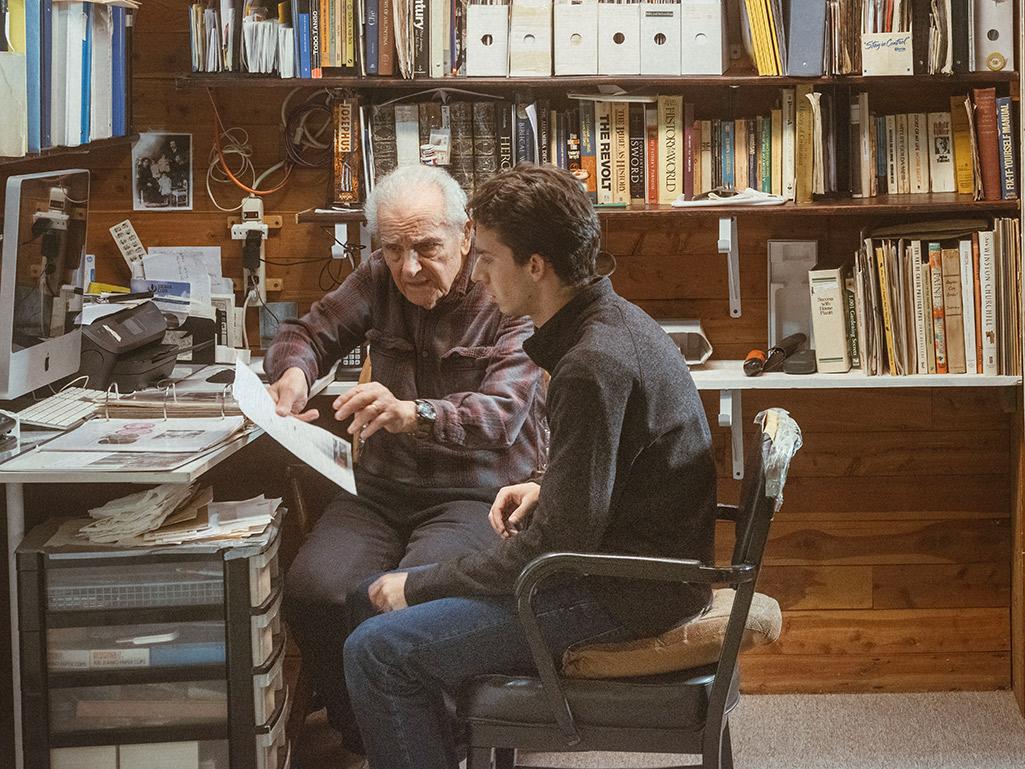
x,y
389,525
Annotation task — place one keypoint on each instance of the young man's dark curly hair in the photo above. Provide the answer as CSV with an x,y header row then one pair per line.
x,y
541,210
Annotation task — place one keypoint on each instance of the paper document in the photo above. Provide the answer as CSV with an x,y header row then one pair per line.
x,y
42,461
147,435
328,454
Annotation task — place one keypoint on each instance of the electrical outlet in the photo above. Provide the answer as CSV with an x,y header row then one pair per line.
x,y
275,284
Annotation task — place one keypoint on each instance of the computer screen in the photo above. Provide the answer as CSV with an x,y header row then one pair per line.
x,y
44,228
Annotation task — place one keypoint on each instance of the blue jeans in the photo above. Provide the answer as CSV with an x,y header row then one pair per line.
x,y
399,664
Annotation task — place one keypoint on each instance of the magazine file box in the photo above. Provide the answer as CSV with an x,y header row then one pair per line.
x,y
576,38
619,39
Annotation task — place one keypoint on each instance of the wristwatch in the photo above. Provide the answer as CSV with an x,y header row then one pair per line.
x,y
426,416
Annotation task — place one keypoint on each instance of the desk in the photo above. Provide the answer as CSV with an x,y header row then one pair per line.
x,y
14,483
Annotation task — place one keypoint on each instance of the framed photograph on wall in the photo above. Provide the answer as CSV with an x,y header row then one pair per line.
x,y
162,172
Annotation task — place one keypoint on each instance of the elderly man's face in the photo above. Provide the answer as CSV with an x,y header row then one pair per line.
x,y
423,253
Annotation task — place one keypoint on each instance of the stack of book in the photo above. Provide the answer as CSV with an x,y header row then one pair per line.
x,y
928,298
657,149
65,73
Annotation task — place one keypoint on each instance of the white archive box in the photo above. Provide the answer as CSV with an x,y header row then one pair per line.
x,y
660,38
576,37
530,38
619,38
704,47
487,40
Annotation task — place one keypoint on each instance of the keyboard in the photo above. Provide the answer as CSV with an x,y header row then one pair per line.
x,y
65,409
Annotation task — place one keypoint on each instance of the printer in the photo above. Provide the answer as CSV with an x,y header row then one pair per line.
x,y
127,349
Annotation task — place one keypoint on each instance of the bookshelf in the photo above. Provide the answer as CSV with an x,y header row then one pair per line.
x,y
627,82
64,152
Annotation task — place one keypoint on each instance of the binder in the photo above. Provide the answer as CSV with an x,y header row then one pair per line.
x,y
805,35
530,38
576,38
487,40
994,35
704,50
660,38
33,63
619,38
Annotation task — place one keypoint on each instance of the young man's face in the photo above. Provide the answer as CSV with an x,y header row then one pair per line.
x,y
423,253
510,284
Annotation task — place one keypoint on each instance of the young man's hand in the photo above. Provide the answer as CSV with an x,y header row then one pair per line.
x,y
513,507
372,407
388,592
290,394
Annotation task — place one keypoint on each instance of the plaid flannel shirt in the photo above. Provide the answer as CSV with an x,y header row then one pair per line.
x,y
463,356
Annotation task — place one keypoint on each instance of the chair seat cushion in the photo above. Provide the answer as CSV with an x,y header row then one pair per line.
x,y
665,702
690,644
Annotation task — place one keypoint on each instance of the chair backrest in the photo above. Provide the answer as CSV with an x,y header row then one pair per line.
x,y
765,473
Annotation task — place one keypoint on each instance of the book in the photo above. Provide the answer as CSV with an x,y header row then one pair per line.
x,y
803,143
936,295
606,177
964,172
1008,154
485,142
829,318
941,153
987,138
968,304
988,304
620,152
918,153
347,154
670,148
637,141
953,318
651,155
588,150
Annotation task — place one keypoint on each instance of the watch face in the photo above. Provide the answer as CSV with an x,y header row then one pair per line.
x,y
425,410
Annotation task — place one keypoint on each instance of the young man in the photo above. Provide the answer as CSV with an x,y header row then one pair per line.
x,y
455,412
630,471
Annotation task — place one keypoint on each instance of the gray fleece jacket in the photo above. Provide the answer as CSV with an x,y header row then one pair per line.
x,y
630,470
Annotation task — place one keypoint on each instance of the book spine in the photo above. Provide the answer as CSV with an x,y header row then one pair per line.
x,y
953,318
963,165
571,120
753,137
315,42
524,135
485,149
884,296
804,146
670,148
987,135
421,54
921,321
637,142
621,151
603,127
967,286
688,151
882,159
348,160
978,303
789,151
829,320
651,154
853,345
372,35
988,292
385,40
544,132
936,293
1008,155
588,154
706,156
505,130
765,154
776,152
919,153
350,24
461,163
728,154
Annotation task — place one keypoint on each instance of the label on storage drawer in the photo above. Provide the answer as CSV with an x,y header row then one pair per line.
x,y
92,659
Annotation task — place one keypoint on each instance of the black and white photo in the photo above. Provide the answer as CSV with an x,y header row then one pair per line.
x,y
162,172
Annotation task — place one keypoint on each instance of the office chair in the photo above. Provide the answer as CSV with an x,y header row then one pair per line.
x,y
665,694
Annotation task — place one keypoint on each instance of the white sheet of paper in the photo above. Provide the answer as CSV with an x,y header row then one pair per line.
x,y
328,454
182,260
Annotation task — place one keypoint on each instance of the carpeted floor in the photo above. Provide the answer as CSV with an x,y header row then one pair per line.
x,y
962,730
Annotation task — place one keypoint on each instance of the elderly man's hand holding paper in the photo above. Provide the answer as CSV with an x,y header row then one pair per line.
x,y
324,452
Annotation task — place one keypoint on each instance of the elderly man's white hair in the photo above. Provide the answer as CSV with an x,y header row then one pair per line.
x,y
406,184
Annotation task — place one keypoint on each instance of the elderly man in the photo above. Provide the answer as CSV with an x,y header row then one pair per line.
x,y
455,411
630,472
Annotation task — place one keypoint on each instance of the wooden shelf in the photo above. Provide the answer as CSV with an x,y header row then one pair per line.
x,y
330,216
82,149
729,375
940,202
948,203
745,79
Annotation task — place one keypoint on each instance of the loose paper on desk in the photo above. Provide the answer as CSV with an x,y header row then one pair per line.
x,y
326,453
146,436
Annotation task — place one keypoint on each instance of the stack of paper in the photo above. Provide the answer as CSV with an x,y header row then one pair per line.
x,y
128,517
216,521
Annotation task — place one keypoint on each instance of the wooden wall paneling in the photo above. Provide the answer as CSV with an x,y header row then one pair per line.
x,y
848,673
1017,598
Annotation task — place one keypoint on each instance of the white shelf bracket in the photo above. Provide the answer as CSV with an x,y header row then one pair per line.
x,y
729,246
342,236
731,415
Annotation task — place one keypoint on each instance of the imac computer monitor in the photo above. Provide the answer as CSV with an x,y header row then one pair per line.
x,y
43,248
